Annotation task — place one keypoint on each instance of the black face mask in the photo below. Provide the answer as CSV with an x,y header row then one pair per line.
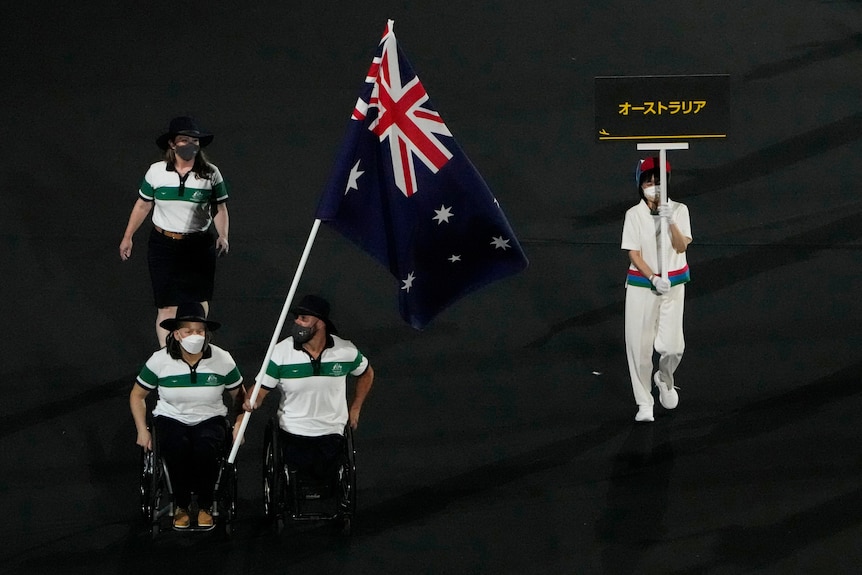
x,y
187,151
301,334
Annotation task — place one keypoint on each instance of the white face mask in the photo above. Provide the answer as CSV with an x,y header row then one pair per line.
x,y
652,192
193,343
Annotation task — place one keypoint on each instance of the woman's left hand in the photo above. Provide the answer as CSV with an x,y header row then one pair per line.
x,y
236,432
222,246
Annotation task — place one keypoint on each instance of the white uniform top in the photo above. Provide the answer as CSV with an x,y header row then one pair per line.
x,y
190,395
313,394
641,232
181,208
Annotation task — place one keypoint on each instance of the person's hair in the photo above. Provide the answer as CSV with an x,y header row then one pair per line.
x,y
202,168
175,350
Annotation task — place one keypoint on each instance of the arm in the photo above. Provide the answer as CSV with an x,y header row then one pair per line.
x,y
237,396
222,226
261,394
138,406
677,239
139,213
363,386
660,284
637,260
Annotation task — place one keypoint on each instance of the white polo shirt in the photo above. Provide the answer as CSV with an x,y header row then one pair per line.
x,y
182,206
313,394
190,396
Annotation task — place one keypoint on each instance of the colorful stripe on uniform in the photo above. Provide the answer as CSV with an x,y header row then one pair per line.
x,y
676,277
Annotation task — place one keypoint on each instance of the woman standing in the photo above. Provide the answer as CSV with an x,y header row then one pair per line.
x,y
189,195
655,297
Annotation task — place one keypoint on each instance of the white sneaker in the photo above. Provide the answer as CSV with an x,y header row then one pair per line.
x,y
644,413
668,398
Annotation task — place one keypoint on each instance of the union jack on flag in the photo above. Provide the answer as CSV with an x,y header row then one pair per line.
x,y
404,191
404,117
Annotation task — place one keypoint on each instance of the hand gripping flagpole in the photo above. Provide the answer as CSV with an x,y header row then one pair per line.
x,y
662,161
284,311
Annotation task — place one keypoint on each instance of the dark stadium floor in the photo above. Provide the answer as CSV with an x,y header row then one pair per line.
x,y
501,439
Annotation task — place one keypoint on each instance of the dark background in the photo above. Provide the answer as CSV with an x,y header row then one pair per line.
x,y
500,439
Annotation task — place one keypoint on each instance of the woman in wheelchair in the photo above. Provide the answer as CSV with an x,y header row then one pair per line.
x,y
190,375
310,370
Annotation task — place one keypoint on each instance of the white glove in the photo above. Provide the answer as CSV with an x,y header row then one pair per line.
x,y
661,285
666,212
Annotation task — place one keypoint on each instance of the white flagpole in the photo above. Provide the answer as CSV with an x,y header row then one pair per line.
x,y
662,160
284,311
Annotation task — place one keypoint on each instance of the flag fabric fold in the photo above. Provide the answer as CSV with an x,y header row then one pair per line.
x,y
404,191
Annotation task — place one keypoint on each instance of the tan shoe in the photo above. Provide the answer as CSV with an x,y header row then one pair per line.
x,y
205,519
181,518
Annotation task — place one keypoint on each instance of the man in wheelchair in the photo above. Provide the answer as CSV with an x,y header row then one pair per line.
x,y
310,369
190,375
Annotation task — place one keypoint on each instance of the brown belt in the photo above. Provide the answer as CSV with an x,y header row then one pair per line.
x,y
172,235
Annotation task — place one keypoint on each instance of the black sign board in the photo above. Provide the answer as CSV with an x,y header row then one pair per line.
x,y
662,107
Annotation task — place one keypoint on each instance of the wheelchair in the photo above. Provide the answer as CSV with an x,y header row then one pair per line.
x,y
296,496
157,498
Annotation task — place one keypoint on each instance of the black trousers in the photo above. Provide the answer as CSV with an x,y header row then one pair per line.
x,y
192,454
315,457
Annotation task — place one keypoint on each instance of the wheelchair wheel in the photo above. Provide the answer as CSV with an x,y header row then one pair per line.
x,y
233,497
156,492
146,488
346,489
160,494
152,488
273,478
226,495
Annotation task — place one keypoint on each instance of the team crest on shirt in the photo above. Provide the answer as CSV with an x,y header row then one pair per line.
x,y
337,369
212,379
198,195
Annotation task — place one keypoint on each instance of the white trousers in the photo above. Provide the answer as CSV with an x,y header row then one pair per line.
x,y
653,322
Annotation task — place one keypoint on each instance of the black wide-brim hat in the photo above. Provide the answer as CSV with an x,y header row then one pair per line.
x,y
192,311
316,306
185,126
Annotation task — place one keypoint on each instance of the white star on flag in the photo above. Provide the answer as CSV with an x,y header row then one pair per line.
x,y
500,243
454,258
443,214
353,177
408,283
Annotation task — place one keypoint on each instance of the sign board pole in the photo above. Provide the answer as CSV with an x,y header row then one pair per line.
x,y
662,162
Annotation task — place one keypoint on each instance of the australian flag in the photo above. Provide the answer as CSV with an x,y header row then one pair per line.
x,y
405,192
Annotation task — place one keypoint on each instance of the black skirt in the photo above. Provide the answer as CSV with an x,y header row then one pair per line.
x,y
181,270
